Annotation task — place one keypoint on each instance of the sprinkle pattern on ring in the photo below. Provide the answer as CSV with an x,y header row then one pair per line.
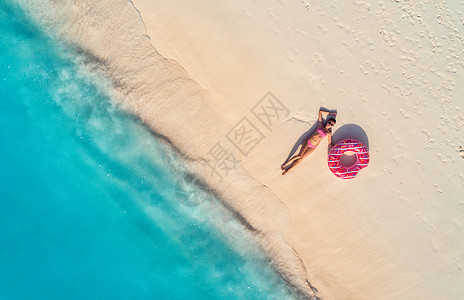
x,y
362,158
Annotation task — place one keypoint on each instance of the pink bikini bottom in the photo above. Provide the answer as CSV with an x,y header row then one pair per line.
x,y
311,145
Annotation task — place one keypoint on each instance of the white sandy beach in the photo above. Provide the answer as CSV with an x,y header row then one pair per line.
x,y
197,71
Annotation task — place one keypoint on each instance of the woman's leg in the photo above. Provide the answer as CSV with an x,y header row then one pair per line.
x,y
303,149
290,160
307,152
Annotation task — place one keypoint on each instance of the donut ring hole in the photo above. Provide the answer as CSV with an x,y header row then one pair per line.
x,y
348,159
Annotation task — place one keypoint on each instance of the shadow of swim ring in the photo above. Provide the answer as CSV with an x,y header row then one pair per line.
x,y
347,158
350,131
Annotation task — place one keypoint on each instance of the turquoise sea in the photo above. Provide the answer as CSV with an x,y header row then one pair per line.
x,y
88,208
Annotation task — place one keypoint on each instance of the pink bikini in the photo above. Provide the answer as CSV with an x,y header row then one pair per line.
x,y
321,132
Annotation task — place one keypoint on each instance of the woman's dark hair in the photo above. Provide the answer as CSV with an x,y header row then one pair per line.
x,y
331,118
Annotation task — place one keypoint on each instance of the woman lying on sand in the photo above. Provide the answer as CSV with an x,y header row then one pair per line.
x,y
310,144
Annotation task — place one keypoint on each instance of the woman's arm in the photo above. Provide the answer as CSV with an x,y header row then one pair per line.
x,y
320,114
322,110
329,136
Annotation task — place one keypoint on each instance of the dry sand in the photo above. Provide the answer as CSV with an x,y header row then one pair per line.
x,y
392,68
393,71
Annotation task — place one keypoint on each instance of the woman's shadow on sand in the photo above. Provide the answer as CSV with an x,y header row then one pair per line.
x,y
301,140
347,131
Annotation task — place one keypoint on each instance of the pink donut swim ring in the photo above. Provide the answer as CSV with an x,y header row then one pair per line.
x,y
348,172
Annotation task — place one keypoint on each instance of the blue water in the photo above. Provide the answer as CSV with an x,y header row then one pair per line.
x,y
87,203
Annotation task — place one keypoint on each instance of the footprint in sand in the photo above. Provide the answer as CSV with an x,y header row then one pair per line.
x,y
306,5
439,190
386,170
404,114
420,164
348,46
387,89
322,28
428,136
443,159
461,151
386,115
364,71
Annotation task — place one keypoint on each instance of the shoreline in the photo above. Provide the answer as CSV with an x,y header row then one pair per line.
x,y
386,234
134,84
